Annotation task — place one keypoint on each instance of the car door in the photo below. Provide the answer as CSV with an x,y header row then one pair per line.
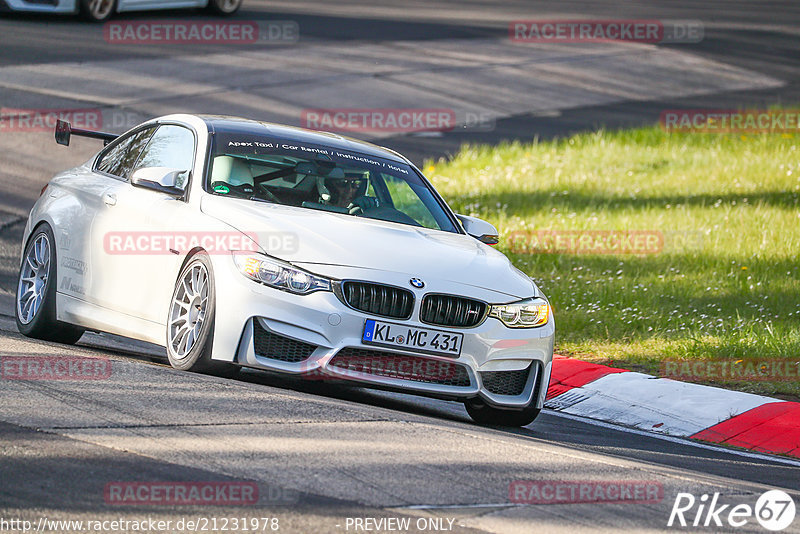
x,y
92,192
131,231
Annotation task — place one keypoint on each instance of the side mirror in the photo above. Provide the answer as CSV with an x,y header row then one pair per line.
x,y
479,229
162,179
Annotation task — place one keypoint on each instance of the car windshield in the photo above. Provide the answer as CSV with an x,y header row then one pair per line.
x,y
322,178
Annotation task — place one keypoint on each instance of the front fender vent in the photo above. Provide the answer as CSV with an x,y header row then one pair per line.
x,y
277,347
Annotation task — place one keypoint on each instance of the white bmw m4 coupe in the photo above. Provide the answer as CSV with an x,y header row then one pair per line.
x,y
236,243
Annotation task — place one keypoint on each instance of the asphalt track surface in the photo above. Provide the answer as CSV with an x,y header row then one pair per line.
x,y
322,453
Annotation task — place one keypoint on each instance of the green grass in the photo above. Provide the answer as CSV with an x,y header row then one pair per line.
x,y
727,283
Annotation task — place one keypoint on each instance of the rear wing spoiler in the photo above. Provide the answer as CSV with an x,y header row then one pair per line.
x,y
64,131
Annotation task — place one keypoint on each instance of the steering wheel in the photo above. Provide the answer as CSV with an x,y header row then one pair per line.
x,y
263,189
361,204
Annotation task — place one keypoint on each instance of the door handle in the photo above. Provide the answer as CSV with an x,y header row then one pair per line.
x,y
109,199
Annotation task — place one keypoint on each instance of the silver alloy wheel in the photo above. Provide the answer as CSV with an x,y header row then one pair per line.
x,y
188,310
100,9
227,6
33,279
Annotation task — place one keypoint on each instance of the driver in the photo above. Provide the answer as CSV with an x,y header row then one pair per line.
x,y
344,190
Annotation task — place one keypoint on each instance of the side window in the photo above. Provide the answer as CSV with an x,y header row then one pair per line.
x,y
171,146
121,157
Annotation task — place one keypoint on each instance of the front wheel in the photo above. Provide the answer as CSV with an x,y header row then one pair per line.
x,y
36,291
224,7
98,10
190,325
483,414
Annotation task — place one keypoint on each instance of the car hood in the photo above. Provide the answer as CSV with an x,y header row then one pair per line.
x,y
312,237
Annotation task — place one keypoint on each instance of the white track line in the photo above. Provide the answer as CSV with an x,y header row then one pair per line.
x,y
655,404
456,506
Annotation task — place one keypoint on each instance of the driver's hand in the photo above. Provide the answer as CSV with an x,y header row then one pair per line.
x,y
362,204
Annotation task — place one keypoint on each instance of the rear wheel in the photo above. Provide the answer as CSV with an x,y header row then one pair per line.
x,y
483,414
98,10
224,7
36,291
190,325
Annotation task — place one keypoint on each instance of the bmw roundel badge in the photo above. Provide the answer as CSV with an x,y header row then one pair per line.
x,y
416,282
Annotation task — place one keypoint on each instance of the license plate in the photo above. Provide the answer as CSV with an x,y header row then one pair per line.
x,y
412,338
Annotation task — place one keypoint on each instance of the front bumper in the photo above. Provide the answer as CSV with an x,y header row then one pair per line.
x,y
318,337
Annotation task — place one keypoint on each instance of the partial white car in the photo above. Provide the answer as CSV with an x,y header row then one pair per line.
x,y
101,10
236,243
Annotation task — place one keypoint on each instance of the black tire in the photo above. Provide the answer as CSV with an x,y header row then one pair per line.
x,y
98,10
198,357
224,8
42,324
483,414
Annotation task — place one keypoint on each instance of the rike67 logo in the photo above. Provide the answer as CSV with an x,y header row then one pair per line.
x,y
774,510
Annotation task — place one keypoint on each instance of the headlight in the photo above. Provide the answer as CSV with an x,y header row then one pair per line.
x,y
279,274
526,313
